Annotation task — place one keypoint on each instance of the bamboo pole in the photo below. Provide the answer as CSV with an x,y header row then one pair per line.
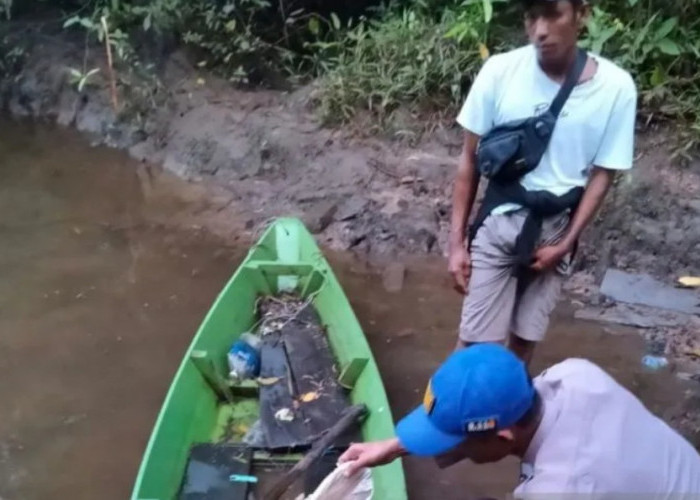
x,y
110,67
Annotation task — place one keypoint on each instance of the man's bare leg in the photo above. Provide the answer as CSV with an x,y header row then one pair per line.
x,y
524,349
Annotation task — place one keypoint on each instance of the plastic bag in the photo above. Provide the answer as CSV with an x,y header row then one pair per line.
x,y
337,486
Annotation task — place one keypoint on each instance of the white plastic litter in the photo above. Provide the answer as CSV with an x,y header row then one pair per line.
x,y
337,486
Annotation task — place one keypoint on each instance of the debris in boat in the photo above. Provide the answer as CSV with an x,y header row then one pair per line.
x,y
689,281
209,469
309,396
277,312
284,415
268,380
241,429
295,347
339,486
242,478
255,436
244,357
347,422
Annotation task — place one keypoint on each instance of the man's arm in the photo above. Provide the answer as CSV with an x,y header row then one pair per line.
x,y
615,152
466,185
372,454
464,193
598,185
476,117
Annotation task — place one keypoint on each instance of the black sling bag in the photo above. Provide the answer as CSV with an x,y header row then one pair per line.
x,y
513,149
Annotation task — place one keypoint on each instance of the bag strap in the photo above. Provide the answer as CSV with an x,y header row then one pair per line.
x,y
570,82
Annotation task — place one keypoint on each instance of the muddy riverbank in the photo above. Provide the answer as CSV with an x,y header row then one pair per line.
x,y
110,267
265,153
248,156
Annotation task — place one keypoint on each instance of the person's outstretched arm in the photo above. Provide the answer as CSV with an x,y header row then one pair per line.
x,y
372,454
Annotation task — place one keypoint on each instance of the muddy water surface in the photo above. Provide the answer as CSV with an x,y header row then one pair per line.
x,y
102,286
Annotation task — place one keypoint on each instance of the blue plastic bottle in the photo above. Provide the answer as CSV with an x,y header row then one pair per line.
x,y
244,357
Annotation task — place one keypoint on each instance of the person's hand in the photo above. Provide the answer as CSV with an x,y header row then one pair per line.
x,y
371,454
460,267
548,257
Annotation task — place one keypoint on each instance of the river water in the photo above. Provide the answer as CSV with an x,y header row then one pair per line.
x,y
103,285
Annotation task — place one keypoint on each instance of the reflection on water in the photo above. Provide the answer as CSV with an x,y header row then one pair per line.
x,y
100,296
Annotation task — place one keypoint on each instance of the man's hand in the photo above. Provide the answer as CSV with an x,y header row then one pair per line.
x,y
371,454
460,267
548,257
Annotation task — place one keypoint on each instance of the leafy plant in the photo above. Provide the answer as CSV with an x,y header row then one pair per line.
x,y
406,57
379,70
80,79
229,37
12,56
118,39
6,8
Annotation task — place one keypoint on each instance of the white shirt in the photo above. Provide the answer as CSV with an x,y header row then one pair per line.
x,y
595,127
596,439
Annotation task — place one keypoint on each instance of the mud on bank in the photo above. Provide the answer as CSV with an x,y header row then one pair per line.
x,y
269,152
253,155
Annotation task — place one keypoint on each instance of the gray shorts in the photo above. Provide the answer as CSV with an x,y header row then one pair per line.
x,y
495,305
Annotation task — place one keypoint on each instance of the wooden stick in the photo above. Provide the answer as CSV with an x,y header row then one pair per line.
x,y
110,68
350,417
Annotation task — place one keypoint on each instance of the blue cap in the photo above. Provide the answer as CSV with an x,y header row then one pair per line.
x,y
481,388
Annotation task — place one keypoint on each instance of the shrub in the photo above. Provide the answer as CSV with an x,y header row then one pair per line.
x,y
405,56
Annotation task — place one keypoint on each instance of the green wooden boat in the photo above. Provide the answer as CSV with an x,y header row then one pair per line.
x,y
286,257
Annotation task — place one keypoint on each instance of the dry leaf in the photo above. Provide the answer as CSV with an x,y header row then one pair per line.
x,y
268,380
690,281
309,396
483,52
284,415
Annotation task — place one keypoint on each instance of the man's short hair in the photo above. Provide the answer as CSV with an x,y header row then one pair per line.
x,y
576,3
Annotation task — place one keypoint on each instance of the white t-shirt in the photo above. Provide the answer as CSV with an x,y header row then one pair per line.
x,y
595,127
598,441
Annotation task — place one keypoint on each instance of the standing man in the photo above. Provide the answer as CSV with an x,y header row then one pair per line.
x,y
579,433
509,295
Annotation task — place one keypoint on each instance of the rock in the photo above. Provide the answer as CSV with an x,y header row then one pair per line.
x,y
145,151
94,118
676,236
693,205
647,230
393,277
319,216
20,103
351,208
624,314
68,107
310,197
645,290
687,377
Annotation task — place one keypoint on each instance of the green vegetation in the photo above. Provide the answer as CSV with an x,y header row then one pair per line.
x,y
659,43
415,54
